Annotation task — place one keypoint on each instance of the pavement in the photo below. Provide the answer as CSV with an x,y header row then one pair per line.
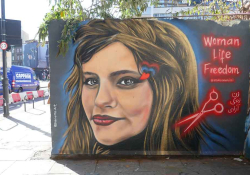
x,y
25,148
44,83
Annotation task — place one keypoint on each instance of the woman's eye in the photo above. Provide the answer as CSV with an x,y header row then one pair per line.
x,y
91,81
127,81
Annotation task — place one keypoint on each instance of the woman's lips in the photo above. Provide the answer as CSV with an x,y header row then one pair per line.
x,y
104,120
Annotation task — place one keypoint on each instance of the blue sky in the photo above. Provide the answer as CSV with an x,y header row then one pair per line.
x,y
30,12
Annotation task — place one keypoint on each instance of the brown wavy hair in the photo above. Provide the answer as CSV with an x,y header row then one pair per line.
x,y
175,87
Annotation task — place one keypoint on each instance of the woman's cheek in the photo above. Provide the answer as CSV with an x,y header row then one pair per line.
x,y
88,100
137,102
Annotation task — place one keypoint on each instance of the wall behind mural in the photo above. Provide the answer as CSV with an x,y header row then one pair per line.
x,y
150,87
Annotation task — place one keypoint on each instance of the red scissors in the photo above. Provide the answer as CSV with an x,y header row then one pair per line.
x,y
218,108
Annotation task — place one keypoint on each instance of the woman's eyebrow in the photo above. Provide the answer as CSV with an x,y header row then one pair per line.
x,y
89,73
122,72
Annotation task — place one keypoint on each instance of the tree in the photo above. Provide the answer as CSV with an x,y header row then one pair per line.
x,y
73,11
217,10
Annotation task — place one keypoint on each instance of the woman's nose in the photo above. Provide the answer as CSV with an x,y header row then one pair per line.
x,y
105,98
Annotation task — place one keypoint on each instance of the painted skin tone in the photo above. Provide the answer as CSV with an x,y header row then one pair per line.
x,y
116,102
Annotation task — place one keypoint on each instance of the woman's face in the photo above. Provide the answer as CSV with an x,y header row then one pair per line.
x,y
116,102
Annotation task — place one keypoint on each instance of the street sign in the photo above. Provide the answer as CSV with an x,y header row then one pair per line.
x,y
4,45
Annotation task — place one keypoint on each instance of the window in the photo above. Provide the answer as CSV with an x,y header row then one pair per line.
x,y
34,75
162,15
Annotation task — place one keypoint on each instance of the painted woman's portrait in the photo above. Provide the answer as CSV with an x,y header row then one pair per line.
x,y
132,80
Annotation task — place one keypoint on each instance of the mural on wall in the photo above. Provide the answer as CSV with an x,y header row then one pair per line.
x,y
150,87
247,141
30,55
35,55
247,127
43,56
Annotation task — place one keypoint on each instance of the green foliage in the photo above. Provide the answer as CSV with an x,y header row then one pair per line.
x,y
72,11
215,8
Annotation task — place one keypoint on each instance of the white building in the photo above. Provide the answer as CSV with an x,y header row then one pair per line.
x,y
166,8
8,56
24,36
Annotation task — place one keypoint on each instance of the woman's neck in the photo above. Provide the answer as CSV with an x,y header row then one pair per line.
x,y
133,145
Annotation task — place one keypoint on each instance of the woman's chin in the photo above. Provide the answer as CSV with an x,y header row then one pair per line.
x,y
108,141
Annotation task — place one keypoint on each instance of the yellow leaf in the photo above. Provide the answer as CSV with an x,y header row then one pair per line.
x,y
62,14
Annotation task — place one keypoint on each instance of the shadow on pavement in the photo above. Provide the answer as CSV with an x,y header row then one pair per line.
x,y
12,107
81,167
29,126
180,165
19,122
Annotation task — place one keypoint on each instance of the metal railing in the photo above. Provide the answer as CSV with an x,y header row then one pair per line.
x,y
24,101
33,100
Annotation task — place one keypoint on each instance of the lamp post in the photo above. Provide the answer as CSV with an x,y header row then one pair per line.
x,y
5,80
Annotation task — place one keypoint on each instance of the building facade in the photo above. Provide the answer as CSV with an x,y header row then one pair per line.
x,y
17,56
166,8
169,8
